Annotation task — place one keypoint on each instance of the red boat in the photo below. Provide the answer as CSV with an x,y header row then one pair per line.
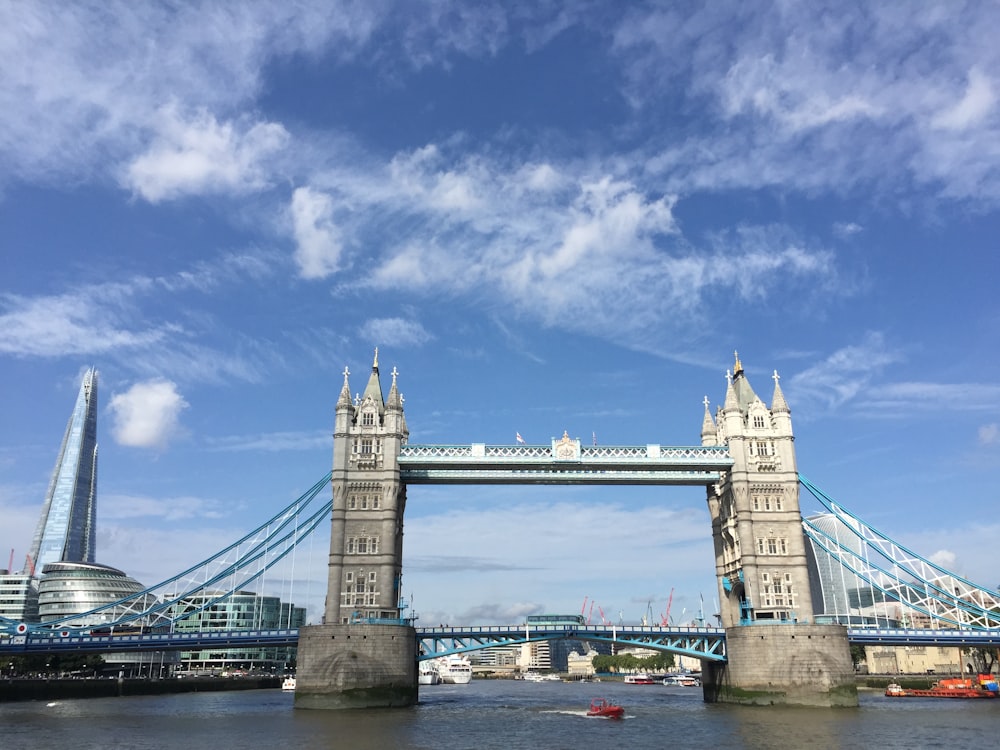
x,y
605,708
984,686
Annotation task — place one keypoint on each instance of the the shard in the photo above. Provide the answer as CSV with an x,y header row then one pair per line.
x,y
67,528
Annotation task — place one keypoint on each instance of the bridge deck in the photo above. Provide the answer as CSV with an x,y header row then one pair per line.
x,y
705,643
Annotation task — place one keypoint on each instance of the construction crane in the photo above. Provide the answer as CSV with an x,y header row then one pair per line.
x,y
665,620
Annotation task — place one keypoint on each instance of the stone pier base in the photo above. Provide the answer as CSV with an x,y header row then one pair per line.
x,y
356,666
791,665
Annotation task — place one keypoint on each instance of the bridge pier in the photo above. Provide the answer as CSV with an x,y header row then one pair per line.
x,y
794,665
356,666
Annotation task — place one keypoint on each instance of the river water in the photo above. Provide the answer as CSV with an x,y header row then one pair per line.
x,y
493,714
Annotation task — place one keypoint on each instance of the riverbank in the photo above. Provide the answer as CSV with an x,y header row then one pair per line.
x,y
47,690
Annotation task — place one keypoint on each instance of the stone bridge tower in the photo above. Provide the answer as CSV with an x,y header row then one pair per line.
x,y
366,543
364,655
775,653
760,549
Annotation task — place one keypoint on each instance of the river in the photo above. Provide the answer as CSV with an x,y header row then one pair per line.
x,y
493,714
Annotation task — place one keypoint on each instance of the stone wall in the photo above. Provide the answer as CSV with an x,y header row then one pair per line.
x,y
356,666
795,664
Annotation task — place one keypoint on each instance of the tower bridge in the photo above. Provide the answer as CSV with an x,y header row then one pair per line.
x,y
364,655
767,648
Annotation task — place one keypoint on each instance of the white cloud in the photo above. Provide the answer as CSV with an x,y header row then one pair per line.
x,y
147,414
318,243
974,106
197,154
395,331
121,507
272,442
843,375
945,558
82,85
93,320
989,434
846,229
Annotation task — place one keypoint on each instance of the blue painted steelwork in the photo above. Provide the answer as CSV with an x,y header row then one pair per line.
x,y
701,643
903,577
226,572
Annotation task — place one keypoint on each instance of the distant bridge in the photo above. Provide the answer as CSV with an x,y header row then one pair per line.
x,y
704,643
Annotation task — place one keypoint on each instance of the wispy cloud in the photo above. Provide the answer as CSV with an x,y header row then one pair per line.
x,y
844,375
92,320
396,331
271,442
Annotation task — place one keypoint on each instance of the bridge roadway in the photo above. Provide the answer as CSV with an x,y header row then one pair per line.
x,y
702,643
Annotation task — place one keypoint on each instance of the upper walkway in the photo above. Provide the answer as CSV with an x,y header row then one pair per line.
x,y
566,461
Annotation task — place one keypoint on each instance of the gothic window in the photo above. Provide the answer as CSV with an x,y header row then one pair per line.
x,y
364,502
352,502
372,576
363,546
350,545
373,545
349,577
375,502
758,421
366,445
368,419
777,503
772,545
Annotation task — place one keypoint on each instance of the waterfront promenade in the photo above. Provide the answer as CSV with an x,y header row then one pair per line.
x,y
61,689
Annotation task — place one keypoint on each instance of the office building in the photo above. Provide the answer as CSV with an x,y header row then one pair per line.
x,y
67,528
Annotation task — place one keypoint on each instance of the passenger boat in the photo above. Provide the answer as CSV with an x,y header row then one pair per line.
x,y
454,669
288,684
639,679
984,686
428,674
606,709
682,680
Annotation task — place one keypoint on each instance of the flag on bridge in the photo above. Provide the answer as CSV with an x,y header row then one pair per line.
x,y
517,436
595,438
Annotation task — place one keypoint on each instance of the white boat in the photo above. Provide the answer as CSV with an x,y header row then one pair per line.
x,y
454,669
428,674
288,684
536,677
682,680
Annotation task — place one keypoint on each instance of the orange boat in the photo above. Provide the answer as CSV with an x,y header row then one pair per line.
x,y
605,708
984,686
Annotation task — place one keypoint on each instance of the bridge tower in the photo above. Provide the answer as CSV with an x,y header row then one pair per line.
x,y
775,653
365,652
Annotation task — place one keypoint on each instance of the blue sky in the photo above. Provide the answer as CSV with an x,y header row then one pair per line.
x,y
548,216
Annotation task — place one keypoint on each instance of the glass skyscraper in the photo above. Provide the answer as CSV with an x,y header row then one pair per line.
x,y
67,528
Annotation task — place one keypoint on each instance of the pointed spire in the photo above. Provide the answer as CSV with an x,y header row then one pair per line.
x,y
707,424
345,392
778,403
374,388
731,403
395,400
743,391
